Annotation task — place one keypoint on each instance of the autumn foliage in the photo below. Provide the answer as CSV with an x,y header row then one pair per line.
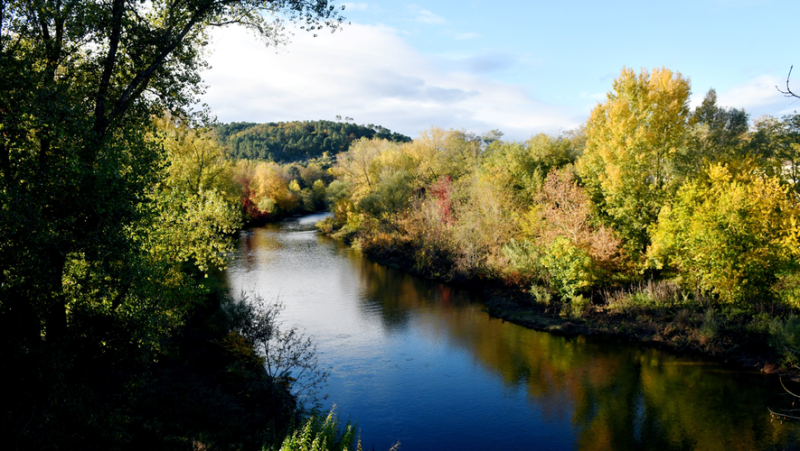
x,y
647,189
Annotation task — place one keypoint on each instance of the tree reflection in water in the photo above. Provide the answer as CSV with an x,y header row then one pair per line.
x,y
618,396
570,393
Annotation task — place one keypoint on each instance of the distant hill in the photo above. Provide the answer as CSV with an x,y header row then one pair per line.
x,y
298,140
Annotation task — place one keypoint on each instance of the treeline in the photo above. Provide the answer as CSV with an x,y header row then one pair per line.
x,y
295,141
698,204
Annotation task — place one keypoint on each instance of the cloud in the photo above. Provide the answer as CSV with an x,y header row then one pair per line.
x,y
489,62
355,6
758,96
428,17
371,74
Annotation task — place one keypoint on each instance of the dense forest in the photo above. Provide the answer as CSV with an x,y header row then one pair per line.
x,y
294,141
677,225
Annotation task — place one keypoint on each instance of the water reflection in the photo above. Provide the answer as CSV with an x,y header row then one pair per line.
x,y
423,363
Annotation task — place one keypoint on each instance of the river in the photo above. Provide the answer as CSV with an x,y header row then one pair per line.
x,y
422,363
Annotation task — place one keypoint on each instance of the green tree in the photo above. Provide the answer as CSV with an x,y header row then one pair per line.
x,y
731,234
95,260
632,142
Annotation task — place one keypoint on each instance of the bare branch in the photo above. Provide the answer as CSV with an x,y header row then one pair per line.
x,y
788,92
782,415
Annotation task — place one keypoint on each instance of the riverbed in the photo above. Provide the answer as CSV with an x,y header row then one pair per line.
x,y
424,364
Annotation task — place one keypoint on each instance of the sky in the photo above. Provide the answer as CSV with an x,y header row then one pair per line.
x,y
518,67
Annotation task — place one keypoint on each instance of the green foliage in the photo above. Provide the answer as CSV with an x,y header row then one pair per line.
x,y
105,226
541,295
787,288
775,144
711,326
525,257
196,162
731,234
785,338
571,269
318,434
633,140
296,141
524,166
391,195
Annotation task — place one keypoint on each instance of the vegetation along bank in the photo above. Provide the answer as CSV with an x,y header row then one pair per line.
x,y
651,221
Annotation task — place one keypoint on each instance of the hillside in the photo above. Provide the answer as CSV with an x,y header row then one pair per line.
x,y
297,140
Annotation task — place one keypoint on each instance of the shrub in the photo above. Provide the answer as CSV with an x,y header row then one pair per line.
x,y
570,268
711,326
785,338
541,295
578,305
525,258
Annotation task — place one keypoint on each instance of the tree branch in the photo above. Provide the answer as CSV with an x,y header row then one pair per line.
x,y
788,92
100,121
139,83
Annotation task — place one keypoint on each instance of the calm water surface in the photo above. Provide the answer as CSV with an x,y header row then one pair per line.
x,y
421,363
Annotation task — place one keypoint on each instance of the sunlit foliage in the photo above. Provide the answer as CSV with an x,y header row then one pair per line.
x,y
633,139
731,234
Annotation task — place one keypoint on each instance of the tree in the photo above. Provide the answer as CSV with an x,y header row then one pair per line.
x,y
74,148
775,145
525,166
725,128
731,234
289,356
632,141
196,161
83,259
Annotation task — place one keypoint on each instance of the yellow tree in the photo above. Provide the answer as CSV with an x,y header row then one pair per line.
x,y
733,234
270,190
632,141
196,162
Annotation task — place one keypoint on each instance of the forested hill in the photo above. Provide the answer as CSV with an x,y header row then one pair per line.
x,y
298,140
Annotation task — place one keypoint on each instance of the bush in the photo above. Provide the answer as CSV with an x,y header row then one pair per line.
x,y
711,326
785,338
570,268
525,258
541,295
578,305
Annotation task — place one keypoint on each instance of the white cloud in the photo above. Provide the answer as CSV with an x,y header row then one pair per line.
x,y
757,92
368,73
354,6
757,96
428,17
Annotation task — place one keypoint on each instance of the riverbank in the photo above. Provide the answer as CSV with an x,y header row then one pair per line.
x,y
731,335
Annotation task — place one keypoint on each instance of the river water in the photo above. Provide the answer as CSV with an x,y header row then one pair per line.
x,y
422,363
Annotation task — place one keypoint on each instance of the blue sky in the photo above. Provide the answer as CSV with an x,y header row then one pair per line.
x,y
521,67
